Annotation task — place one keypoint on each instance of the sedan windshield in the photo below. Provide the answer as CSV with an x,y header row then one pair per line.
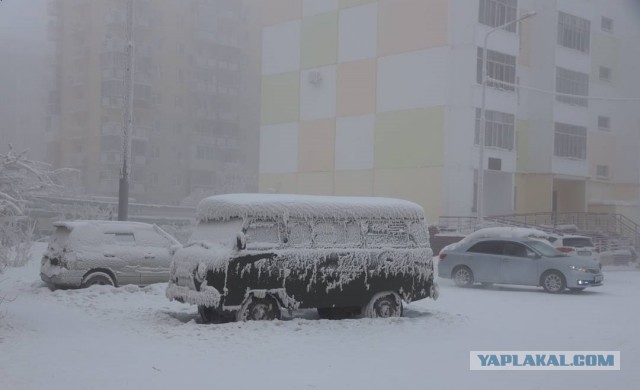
x,y
545,249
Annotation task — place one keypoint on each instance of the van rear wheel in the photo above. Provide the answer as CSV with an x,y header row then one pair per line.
x,y
384,305
258,309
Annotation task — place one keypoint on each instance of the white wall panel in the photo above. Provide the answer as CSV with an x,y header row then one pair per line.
x,y
412,80
358,34
355,142
279,148
318,97
281,48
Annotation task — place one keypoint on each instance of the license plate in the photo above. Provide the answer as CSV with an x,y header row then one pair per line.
x,y
598,279
584,253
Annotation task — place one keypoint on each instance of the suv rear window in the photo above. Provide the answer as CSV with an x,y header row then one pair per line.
x,y
59,238
577,242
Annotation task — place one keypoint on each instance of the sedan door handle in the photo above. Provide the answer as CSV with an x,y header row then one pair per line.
x,y
149,257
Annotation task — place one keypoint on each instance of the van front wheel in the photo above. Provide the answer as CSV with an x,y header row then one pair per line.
x,y
384,305
258,309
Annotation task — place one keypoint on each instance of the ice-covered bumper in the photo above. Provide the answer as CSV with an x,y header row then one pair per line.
x,y
434,291
206,296
63,277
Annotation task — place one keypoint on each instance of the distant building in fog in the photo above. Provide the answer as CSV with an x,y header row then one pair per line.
x,y
196,95
23,96
366,97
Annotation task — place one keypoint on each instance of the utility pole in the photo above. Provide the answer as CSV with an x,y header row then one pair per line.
x,y
483,119
127,125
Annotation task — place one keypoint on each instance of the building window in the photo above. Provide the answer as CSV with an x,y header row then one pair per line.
x,y
573,32
499,129
495,13
495,164
501,70
570,141
606,24
605,74
205,152
604,123
572,83
154,179
602,171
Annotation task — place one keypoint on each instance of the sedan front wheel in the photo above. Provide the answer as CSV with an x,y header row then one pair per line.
x,y
553,282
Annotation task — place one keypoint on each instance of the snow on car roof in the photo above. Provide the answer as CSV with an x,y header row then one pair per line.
x,y
120,225
499,232
507,232
223,207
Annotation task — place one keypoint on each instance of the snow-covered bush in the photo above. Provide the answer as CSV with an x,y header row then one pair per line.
x,y
20,179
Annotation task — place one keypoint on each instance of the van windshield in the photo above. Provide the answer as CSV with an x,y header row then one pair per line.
x,y
217,232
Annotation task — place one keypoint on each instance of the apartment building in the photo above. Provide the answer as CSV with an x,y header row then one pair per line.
x,y
195,99
23,77
365,97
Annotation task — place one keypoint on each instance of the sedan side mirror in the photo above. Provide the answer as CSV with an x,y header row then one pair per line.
x,y
241,241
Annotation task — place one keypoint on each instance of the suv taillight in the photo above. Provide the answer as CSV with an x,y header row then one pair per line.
x,y
565,249
442,256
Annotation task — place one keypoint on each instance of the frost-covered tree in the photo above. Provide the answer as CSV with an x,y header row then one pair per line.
x,y
20,179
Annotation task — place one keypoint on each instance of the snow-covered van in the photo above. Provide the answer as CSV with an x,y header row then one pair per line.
x,y
255,254
84,253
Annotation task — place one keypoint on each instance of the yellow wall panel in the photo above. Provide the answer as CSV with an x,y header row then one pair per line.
x,y
419,185
407,25
353,183
317,183
356,88
316,145
279,183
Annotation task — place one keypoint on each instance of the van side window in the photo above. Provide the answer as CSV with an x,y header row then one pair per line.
x,y
123,239
418,233
387,233
354,234
299,234
329,233
262,234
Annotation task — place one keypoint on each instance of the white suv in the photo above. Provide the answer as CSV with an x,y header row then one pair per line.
x,y
574,245
84,253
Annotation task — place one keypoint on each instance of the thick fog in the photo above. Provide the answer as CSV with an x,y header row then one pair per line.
x,y
319,194
305,97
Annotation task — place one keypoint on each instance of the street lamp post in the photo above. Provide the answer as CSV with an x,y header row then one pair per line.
x,y
127,125
483,118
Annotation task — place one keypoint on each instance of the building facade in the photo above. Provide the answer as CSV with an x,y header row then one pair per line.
x,y
195,100
366,97
24,76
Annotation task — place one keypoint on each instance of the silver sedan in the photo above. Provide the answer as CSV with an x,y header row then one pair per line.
x,y
522,261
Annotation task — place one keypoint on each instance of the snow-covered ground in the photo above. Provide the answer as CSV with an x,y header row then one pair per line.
x,y
134,338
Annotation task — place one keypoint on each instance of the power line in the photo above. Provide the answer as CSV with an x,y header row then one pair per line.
x,y
634,99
